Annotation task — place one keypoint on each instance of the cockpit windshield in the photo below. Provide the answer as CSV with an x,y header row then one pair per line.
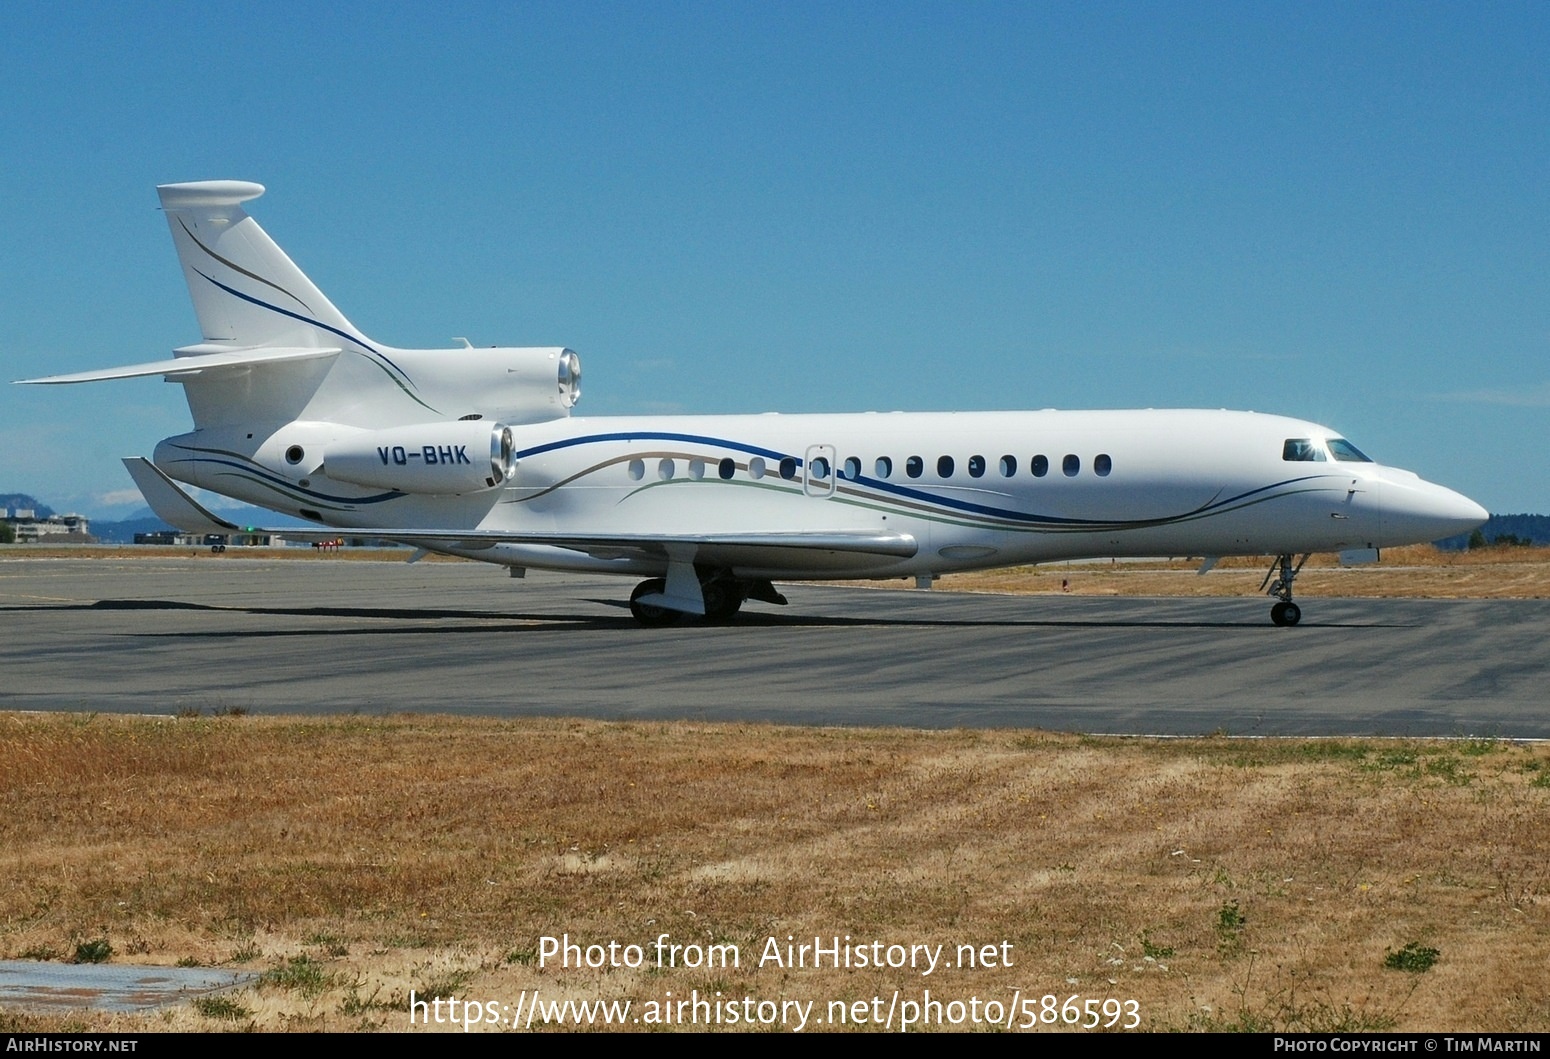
x,y
1345,452
1319,450
1303,450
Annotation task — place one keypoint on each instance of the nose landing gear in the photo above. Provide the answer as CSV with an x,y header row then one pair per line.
x,y
1285,612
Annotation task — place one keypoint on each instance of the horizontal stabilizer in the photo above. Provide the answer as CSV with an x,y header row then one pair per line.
x,y
201,364
171,504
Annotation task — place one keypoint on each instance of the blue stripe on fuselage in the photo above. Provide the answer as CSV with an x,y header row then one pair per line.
x,y
890,487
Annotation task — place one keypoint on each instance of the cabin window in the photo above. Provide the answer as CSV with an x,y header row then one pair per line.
x,y
883,468
697,469
1039,465
756,468
976,466
852,467
944,466
1302,450
914,466
1008,466
726,468
1102,465
819,468
1071,465
788,468
1345,452
637,470
665,469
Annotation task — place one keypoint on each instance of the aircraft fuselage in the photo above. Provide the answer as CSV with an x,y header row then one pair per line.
x,y
973,489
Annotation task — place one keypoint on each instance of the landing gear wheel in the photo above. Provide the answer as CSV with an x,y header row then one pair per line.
x,y
652,617
723,600
1287,613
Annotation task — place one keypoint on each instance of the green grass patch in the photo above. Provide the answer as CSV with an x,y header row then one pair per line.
x,y
221,1007
96,950
1414,957
300,974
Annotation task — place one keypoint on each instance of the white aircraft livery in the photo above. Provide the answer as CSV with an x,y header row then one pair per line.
x,y
476,453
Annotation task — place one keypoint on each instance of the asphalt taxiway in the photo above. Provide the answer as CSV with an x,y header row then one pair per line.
x,y
273,636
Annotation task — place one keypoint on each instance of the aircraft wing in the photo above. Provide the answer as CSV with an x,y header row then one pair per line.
x,y
187,367
765,551
177,508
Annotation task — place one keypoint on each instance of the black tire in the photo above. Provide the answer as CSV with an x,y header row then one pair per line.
x,y
649,616
723,599
1286,613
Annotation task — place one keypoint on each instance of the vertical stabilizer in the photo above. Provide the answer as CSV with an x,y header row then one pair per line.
x,y
247,293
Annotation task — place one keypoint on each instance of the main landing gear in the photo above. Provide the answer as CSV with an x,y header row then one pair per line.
x,y
1285,612
722,593
648,615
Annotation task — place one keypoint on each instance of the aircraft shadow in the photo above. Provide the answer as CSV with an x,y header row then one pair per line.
x,y
777,618
540,622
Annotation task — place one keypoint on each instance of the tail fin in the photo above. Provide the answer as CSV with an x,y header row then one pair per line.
x,y
247,293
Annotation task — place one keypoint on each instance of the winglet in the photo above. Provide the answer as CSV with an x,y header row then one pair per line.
x,y
171,504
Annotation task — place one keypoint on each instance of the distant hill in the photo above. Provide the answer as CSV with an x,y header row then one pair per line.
x,y
1520,529
12,501
122,531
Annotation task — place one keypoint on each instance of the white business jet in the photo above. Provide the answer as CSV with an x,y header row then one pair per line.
x,y
475,452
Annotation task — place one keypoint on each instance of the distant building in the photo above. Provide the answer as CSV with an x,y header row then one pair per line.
x,y
59,529
211,540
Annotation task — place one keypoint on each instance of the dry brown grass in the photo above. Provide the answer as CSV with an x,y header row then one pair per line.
x,y
1221,883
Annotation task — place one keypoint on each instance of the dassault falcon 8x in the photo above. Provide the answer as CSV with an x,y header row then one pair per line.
x,y
475,452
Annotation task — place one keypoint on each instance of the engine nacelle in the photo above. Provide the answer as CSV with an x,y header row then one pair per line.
x,y
432,458
512,384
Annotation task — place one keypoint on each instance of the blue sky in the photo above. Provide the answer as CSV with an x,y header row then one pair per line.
x,y
1332,211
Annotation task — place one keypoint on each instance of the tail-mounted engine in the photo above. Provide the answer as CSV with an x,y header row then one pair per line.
x,y
434,459
430,458
513,384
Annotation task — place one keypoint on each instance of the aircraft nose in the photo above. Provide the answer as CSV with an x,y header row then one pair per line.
x,y
1418,512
